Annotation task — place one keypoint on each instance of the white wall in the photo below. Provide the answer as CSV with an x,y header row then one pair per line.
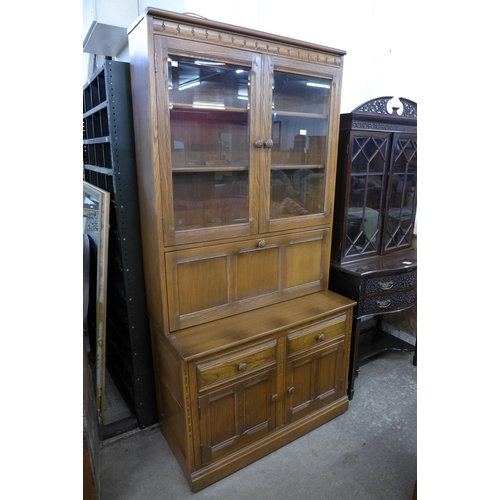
x,y
377,35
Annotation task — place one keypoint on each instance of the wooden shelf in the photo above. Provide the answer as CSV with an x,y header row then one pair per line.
x,y
295,166
302,115
195,108
377,341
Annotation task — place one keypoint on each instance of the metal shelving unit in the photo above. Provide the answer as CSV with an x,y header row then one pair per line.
x,y
109,163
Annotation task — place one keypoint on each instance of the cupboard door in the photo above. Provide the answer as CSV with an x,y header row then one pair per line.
x,y
369,157
207,165
297,120
233,416
401,193
315,379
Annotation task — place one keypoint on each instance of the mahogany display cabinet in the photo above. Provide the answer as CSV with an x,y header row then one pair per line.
x,y
236,139
372,260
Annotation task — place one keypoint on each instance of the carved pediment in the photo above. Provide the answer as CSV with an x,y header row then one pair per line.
x,y
380,106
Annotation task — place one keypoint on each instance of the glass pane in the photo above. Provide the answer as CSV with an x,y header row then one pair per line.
x,y
402,194
209,129
299,130
207,199
369,159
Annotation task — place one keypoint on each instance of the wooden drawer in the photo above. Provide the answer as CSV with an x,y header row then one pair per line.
x,y
389,302
391,283
316,335
235,364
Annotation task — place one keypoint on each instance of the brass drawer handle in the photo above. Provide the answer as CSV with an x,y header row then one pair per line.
x,y
320,337
383,304
242,367
386,285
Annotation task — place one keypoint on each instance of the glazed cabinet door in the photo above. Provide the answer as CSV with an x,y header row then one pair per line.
x,y
369,160
205,99
247,142
237,402
401,194
298,124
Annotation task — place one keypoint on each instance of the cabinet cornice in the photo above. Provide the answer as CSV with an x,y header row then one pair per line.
x,y
248,40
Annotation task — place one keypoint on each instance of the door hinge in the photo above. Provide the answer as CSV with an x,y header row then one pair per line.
x,y
201,452
199,412
163,225
156,64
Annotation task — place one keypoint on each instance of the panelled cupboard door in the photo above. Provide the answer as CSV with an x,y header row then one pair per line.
x,y
205,284
245,141
235,415
315,379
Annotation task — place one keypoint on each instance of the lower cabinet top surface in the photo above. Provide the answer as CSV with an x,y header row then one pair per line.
x,y
398,261
232,331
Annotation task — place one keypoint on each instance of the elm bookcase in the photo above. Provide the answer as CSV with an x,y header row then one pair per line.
x,y
236,140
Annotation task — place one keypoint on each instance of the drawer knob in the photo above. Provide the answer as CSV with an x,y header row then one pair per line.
x,y
242,367
383,304
386,285
261,244
274,398
269,143
259,143
321,337
291,390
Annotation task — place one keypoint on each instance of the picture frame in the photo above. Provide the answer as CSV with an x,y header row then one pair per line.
x,y
96,207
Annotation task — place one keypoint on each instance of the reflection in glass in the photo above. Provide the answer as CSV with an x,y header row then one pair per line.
x,y
209,131
207,199
299,129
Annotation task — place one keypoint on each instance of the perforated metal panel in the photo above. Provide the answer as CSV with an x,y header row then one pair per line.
x,y
109,163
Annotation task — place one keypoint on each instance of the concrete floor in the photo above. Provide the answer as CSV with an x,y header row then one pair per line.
x,y
367,453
